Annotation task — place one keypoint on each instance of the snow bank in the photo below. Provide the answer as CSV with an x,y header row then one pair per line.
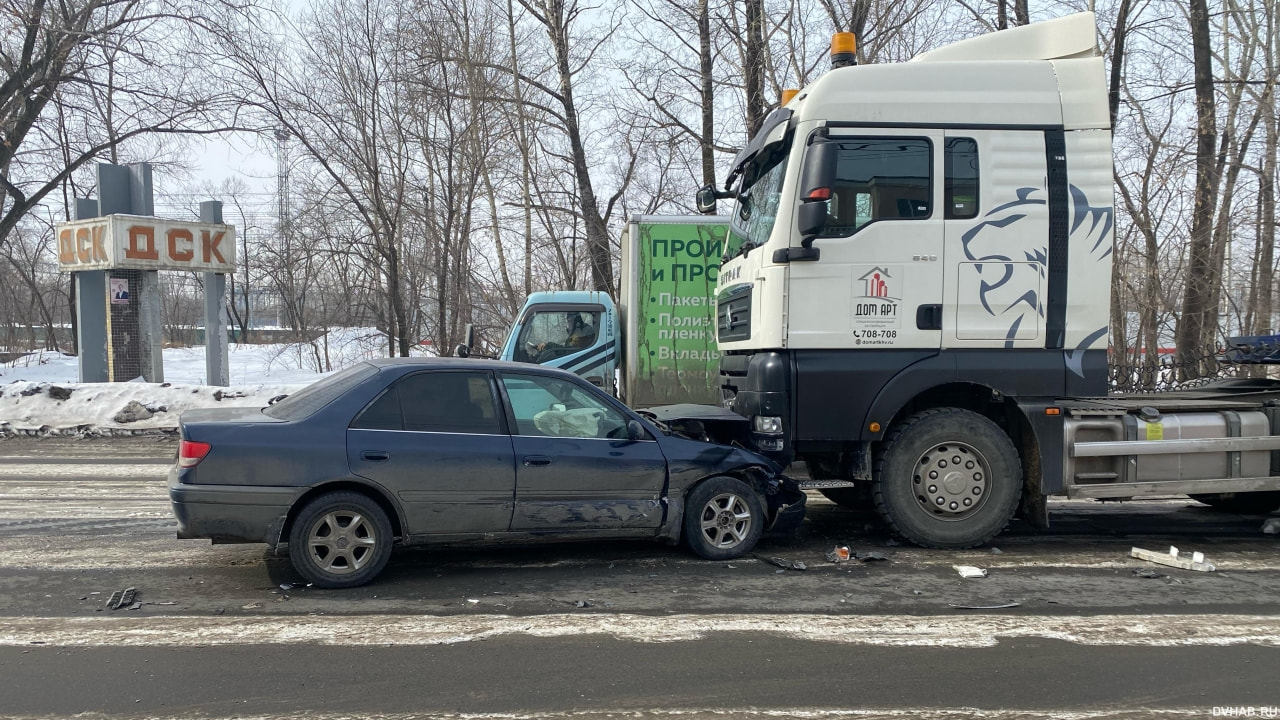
x,y
40,395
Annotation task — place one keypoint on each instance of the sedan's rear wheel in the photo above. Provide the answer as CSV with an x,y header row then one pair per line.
x,y
723,519
340,540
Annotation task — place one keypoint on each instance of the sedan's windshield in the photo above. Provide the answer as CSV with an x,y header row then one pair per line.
x,y
757,206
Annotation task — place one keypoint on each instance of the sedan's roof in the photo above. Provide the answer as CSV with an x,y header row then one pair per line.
x,y
456,363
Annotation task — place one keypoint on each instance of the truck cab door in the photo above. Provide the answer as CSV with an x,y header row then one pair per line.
x,y
878,282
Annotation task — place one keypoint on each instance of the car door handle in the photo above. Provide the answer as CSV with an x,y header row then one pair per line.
x,y
376,455
530,460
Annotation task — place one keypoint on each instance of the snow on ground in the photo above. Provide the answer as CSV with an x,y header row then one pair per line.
x,y
34,399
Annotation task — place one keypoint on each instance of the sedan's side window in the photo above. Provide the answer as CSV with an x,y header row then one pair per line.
x,y
447,402
558,408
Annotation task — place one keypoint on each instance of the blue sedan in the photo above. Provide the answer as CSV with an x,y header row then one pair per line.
x,y
417,451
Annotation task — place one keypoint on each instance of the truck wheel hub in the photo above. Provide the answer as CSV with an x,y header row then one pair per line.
x,y
950,480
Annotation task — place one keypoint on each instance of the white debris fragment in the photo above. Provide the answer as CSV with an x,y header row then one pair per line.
x,y
969,571
1173,558
1271,526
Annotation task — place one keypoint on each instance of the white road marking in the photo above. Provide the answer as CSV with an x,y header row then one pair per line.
x,y
74,470
710,714
966,631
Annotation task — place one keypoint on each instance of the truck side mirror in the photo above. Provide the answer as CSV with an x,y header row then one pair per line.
x,y
468,341
706,199
817,178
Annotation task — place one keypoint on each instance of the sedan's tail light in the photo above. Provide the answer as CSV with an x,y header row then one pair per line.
x,y
191,453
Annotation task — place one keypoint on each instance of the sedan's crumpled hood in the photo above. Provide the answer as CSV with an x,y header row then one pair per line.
x,y
703,458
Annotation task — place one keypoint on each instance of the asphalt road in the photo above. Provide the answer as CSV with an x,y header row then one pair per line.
x,y
633,630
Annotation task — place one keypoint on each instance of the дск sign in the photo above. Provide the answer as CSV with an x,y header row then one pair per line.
x,y
145,243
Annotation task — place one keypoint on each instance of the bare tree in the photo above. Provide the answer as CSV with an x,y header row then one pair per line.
x,y
84,78
1197,324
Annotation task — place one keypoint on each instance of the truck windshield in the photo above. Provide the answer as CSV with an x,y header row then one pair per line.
x,y
551,334
758,202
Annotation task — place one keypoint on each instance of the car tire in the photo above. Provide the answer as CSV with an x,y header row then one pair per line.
x,y
975,472
723,519
1242,503
340,540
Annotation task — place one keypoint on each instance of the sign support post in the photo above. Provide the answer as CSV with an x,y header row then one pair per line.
x,y
216,357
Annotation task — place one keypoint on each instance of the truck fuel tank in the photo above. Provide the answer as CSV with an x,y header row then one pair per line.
x,y
1088,464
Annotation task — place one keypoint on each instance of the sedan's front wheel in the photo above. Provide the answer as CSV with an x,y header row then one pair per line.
x,y
722,519
340,540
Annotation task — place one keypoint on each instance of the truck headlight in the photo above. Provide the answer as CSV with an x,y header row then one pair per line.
x,y
767,424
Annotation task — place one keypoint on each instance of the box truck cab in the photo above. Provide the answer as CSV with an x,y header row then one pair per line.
x,y
569,329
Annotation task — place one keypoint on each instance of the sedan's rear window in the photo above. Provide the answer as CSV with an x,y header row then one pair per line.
x,y
308,401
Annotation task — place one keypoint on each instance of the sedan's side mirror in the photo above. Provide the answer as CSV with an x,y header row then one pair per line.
x,y
817,180
462,351
635,431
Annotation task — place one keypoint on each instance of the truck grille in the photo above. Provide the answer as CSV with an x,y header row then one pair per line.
x,y
733,314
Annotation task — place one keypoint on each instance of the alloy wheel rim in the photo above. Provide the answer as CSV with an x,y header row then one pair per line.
x,y
725,520
341,542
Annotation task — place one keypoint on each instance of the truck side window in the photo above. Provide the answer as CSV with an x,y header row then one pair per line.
x,y
961,189
880,179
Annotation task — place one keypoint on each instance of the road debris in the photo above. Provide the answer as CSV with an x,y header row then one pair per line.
x,y
969,571
996,551
582,604
838,554
1145,572
986,607
872,556
777,561
1271,526
1174,559
122,598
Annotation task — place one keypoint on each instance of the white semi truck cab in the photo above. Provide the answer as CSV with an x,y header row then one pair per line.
x,y
916,290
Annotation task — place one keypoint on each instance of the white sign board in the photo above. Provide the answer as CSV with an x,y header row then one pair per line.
x,y
145,243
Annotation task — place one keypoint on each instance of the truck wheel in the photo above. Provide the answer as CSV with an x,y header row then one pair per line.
x,y
340,540
948,478
723,519
1251,503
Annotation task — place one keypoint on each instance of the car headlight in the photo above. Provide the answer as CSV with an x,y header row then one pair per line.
x,y
767,424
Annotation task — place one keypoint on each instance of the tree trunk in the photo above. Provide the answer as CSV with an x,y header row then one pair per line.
x,y
753,65
1198,322
707,141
